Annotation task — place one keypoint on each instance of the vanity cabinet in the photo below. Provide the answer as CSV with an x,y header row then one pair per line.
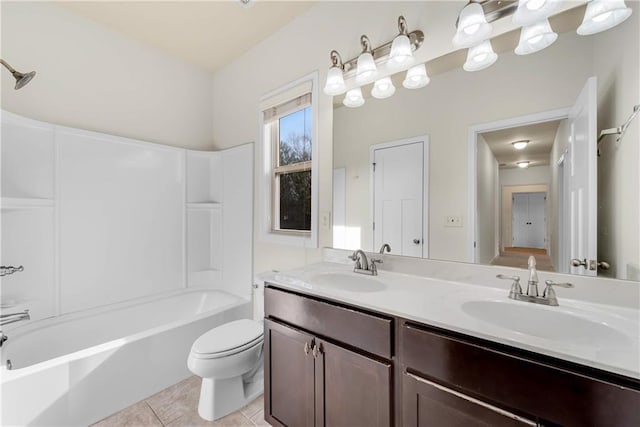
x,y
448,377
312,377
332,364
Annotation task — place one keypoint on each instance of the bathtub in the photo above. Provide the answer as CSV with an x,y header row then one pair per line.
x,y
78,368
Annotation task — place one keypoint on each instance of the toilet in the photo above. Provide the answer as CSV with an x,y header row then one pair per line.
x,y
229,359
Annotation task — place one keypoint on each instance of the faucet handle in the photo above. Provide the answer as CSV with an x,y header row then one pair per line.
x,y
505,277
562,285
516,289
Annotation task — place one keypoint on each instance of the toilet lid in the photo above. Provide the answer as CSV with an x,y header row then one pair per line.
x,y
227,337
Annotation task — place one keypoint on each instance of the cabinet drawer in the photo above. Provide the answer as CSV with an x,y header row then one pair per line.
x,y
551,393
355,328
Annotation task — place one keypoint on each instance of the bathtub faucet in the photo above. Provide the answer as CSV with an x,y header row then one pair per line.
x,y
5,319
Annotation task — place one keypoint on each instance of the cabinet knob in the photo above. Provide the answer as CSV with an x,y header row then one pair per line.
x,y
306,348
416,241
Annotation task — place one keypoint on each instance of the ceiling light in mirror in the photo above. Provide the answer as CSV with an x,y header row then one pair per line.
x,y
472,26
523,164
480,57
602,15
353,98
335,78
519,145
534,38
531,11
416,77
383,88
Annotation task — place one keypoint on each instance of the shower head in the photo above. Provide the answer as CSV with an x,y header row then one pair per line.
x,y
21,78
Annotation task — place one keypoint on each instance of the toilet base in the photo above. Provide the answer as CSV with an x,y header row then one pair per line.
x,y
221,397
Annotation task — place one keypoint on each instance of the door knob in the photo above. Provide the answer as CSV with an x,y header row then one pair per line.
x,y
416,241
604,265
579,262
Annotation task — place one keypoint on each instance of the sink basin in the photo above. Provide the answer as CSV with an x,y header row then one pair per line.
x,y
551,323
351,282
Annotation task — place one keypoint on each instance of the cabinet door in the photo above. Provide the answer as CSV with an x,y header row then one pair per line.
x,y
426,403
289,376
351,389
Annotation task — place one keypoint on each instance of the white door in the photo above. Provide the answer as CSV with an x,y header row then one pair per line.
x,y
529,220
398,192
520,214
582,180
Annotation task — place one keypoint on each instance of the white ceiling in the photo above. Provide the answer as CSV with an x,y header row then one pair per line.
x,y
541,137
208,34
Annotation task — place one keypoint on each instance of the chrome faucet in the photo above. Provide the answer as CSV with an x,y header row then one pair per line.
x,y
548,296
385,246
363,266
8,318
532,284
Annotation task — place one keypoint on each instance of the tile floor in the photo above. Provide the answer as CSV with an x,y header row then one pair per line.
x,y
177,406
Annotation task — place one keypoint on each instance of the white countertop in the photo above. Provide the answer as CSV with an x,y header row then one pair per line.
x,y
441,303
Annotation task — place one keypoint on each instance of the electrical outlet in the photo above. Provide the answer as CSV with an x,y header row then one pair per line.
x,y
453,221
325,220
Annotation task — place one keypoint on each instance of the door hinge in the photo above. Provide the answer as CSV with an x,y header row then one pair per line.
x,y
374,226
474,244
374,166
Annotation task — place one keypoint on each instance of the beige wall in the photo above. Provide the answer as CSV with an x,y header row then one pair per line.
x,y
488,213
445,110
616,63
90,77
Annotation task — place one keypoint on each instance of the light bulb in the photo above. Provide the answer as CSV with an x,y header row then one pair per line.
x,y
536,37
480,57
335,82
602,15
522,164
535,4
383,88
366,68
416,77
520,145
353,98
472,26
400,51
531,11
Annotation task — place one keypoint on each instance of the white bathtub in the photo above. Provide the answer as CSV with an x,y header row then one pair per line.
x,y
79,368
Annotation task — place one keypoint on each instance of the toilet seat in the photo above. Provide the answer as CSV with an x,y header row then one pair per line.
x,y
228,339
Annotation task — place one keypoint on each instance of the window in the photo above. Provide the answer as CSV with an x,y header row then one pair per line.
x,y
291,173
288,192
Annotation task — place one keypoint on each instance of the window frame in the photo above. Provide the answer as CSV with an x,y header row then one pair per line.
x,y
269,158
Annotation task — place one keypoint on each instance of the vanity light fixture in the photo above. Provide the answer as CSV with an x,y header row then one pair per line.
x,y
401,46
472,26
519,145
523,165
480,57
366,69
531,11
335,78
536,37
383,88
602,15
416,77
393,56
353,98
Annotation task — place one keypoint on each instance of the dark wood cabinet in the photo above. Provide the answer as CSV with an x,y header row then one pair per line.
x,y
530,386
289,391
311,378
428,404
331,364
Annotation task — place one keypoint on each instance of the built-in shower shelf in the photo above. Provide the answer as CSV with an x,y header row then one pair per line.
x,y
12,203
205,277
204,205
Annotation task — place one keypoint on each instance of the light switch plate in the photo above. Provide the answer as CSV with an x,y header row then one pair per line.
x,y
453,221
325,220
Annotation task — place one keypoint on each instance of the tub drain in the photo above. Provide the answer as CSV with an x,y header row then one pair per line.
x,y
9,365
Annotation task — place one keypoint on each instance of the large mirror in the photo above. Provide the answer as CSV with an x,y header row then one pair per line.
x,y
435,172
